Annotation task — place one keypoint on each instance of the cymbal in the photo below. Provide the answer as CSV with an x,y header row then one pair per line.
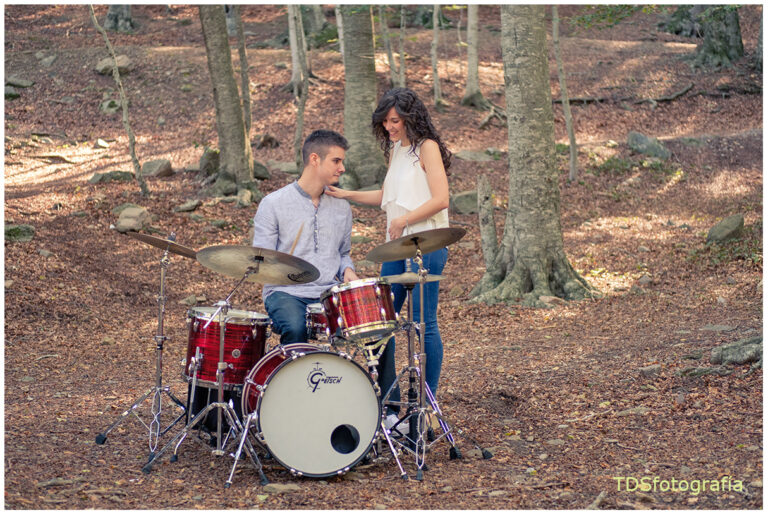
x,y
273,267
405,247
409,278
164,244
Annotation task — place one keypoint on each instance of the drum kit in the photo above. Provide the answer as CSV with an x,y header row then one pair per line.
x,y
309,406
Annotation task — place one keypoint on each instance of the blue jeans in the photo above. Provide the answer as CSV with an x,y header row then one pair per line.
x,y
289,316
433,344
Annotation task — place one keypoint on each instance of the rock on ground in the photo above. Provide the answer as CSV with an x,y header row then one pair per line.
x,y
728,228
749,350
642,144
157,168
133,219
124,65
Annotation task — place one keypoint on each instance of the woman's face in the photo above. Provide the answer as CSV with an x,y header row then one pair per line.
x,y
394,125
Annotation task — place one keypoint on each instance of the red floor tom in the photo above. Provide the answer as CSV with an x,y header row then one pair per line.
x,y
317,322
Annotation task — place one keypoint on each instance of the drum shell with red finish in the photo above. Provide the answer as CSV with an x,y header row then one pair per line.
x,y
362,310
245,337
317,322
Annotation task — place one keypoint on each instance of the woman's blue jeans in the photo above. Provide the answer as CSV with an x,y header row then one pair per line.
x,y
433,344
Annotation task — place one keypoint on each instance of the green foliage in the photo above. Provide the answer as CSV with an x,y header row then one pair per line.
x,y
615,166
659,169
562,148
748,248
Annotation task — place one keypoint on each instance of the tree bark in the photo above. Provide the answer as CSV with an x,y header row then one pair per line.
x,y
433,54
364,160
124,104
245,82
340,30
572,163
119,19
472,95
293,40
235,159
530,261
722,38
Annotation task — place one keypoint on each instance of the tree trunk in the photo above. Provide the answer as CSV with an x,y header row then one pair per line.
x,y
433,54
119,19
402,46
245,82
388,46
235,160
229,10
340,30
472,94
293,85
530,261
124,103
573,163
364,160
302,88
757,60
722,38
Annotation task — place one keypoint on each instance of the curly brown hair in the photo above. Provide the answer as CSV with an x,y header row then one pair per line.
x,y
418,124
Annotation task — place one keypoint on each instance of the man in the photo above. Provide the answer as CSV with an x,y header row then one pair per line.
x,y
319,226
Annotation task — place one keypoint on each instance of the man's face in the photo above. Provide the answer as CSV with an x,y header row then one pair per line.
x,y
331,167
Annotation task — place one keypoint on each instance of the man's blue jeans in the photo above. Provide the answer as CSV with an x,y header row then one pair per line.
x,y
288,314
433,344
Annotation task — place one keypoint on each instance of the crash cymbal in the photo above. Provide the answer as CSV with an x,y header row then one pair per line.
x,y
405,247
409,278
164,244
273,267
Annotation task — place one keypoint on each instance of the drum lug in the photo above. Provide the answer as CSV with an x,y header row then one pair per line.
x,y
383,313
340,321
392,296
335,299
328,332
378,291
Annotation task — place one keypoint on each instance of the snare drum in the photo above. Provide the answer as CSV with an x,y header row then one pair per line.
x,y
318,413
363,310
245,336
317,322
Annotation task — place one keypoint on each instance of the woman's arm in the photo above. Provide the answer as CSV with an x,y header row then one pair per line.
x,y
370,198
438,187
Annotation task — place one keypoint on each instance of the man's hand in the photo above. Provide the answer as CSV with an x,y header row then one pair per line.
x,y
350,275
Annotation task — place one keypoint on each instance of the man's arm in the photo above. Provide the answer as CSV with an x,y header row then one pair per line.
x,y
346,267
265,226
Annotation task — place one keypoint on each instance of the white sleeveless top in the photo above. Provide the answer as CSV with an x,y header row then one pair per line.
x,y
405,189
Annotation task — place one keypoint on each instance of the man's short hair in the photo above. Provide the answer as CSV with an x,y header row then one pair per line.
x,y
319,142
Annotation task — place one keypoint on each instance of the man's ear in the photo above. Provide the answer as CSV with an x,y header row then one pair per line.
x,y
314,159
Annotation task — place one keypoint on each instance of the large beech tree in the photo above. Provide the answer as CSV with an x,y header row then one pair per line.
x,y
529,262
235,159
364,161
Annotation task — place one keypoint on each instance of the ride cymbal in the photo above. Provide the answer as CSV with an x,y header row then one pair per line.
x,y
405,247
272,267
164,244
410,278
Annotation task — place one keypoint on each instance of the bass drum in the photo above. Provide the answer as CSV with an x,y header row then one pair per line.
x,y
318,412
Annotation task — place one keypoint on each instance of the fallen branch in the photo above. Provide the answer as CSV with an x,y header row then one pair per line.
x,y
596,503
667,98
495,112
55,157
590,100
547,485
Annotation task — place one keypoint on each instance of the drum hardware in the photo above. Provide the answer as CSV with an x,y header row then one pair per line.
x,y
157,390
223,409
421,402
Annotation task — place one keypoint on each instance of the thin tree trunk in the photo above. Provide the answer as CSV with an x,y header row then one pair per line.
x,y
245,82
340,30
388,46
530,261
364,160
573,163
235,159
293,40
488,239
472,94
402,46
302,88
433,54
124,105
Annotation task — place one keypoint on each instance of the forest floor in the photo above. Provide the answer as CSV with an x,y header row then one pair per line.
x,y
556,394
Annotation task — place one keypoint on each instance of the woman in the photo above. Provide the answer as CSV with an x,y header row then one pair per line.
x,y
415,197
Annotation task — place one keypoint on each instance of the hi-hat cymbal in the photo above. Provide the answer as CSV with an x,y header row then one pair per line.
x,y
406,246
164,244
273,267
410,278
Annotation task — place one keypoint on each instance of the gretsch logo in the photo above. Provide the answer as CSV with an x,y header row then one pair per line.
x,y
318,376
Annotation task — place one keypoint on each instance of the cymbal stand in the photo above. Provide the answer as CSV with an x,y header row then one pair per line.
x,y
157,390
222,408
421,402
